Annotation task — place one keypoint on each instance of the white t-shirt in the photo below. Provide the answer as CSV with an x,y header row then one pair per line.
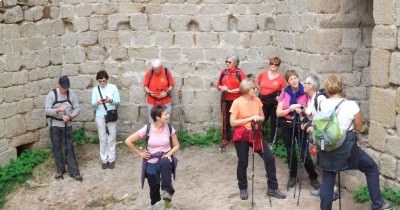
x,y
345,111
310,110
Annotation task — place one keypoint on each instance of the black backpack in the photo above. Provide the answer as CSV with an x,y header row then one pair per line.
x,y
146,140
56,101
151,75
237,72
320,92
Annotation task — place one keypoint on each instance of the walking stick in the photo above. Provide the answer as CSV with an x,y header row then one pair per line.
x,y
180,111
299,138
291,148
252,135
72,150
302,171
224,122
340,203
276,131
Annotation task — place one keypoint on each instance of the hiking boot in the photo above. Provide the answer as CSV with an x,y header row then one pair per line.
x,y
111,165
292,181
104,166
314,183
386,205
59,176
77,177
166,196
244,195
276,194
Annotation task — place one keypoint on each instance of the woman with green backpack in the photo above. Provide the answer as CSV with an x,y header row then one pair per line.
x,y
348,155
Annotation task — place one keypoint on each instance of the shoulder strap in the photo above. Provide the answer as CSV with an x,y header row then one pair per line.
x,y
55,96
238,75
166,75
98,87
337,106
170,134
150,76
146,139
222,76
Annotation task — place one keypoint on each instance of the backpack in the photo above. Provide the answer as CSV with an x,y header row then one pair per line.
x,y
146,140
56,101
226,72
320,92
327,132
151,75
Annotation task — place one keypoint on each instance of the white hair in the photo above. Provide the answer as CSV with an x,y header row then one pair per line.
x,y
155,63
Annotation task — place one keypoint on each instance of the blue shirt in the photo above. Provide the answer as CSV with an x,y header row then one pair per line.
x,y
110,91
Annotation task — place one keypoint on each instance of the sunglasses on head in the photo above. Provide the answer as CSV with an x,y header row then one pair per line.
x,y
274,64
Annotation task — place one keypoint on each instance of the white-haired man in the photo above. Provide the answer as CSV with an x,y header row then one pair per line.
x,y
158,83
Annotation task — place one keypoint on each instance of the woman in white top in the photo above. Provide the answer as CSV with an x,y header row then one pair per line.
x,y
348,156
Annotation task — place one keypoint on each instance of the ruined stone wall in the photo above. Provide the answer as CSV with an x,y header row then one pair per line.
x,y
41,40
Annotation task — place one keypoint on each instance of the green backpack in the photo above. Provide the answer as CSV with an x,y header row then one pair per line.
x,y
326,129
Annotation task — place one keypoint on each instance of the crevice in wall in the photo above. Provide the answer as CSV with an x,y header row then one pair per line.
x,y
232,23
123,25
269,24
68,25
193,25
143,10
21,148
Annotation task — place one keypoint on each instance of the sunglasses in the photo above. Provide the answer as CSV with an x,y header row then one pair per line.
x,y
274,64
228,62
102,80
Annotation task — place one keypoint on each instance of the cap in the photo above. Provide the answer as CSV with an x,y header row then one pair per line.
x,y
64,82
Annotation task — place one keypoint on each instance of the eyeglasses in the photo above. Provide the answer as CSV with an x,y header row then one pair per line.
x,y
102,80
307,83
275,64
228,62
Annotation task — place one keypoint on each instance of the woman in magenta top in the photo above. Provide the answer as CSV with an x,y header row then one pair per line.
x,y
161,145
270,83
291,104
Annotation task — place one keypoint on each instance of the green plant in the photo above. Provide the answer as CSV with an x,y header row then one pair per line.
x,y
79,136
361,194
392,195
211,137
19,170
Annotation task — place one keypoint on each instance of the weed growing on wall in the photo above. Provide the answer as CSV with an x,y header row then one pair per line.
x,y
211,137
19,170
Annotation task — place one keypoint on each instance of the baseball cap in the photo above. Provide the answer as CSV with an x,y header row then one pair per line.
x,y
64,82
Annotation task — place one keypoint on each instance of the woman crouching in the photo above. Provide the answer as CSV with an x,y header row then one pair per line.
x,y
245,110
160,144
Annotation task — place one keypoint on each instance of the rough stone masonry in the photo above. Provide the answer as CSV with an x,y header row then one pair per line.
x,y
41,40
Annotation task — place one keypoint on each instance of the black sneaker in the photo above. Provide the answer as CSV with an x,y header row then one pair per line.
x,y
59,176
244,195
111,165
77,177
314,183
292,181
386,206
276,194
104,165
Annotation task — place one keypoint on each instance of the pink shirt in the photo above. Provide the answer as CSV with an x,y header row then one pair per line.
x,y
158,140
285,99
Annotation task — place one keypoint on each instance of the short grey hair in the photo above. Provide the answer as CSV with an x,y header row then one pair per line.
x,y
235,59
246,85
155,63
314,81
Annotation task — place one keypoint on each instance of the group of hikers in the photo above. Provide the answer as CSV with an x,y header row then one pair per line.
x,y
247,104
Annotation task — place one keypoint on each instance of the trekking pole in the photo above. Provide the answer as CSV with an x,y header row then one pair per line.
x,y
299,138
252,176
340,203
276,131
72,149
304,163
181,111
291,148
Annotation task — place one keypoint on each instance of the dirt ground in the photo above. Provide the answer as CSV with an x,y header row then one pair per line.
x,y
206,179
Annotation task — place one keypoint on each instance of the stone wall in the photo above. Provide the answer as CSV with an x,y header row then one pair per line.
x,y
41,40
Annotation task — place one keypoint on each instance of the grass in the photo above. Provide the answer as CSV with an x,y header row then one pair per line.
x,y
361,195
211,137
79,136
19,171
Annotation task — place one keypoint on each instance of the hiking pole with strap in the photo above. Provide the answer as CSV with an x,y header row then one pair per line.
x,y
299,138
304,164
72,153
276,131
224,122
292,147
252,176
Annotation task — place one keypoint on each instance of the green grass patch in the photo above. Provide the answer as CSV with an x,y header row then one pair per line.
x,y
79,136
361,195
211,137
18,171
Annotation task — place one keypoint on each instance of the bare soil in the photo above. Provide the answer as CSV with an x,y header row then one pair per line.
x,y
206,179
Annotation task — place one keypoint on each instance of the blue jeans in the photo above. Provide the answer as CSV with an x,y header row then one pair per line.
x,y
366,165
